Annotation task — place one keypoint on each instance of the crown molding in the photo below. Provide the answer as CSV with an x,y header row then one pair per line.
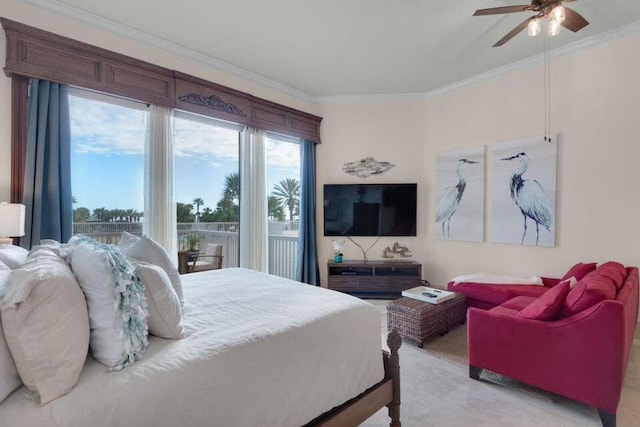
x,y
179,50
92,19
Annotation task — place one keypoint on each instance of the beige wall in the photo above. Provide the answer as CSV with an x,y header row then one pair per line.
x,y
389,131
595,110
30,15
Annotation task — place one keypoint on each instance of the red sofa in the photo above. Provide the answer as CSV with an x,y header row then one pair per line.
x,y
580,352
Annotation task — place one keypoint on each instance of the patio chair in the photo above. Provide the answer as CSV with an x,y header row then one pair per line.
x,y
211,259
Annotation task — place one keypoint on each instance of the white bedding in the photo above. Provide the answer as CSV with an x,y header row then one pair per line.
x,y
260,351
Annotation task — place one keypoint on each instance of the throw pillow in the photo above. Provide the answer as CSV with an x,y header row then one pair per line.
x,y
13,256
9,378
165,312
580,270
116,302
614,271
148,250
587,293
45,323
548,305
127,239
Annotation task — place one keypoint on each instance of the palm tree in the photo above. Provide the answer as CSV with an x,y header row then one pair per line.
x,y
275,209
198,202
100,213
232,187
287,192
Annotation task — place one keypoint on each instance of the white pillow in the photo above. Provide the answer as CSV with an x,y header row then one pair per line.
x,y
9,378
127,239
45,323
165,312
148,250
13,256
116,302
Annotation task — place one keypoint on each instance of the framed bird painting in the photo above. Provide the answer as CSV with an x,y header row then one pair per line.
x,y
524,192
460,193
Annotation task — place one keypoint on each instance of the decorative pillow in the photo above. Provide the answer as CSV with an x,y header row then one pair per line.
x,y
548,305
614,271
9,378
50,242
127,239
579,271
148,250
588,292
165,312
13,256
45,322
116,302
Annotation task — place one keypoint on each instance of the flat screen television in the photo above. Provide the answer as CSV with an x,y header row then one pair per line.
x,y
370,209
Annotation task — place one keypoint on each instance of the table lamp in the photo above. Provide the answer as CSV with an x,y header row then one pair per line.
x,y
11,221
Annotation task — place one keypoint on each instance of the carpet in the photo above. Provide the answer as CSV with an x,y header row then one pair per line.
x,y
436,391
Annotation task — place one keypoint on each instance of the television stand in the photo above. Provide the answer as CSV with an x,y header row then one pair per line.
x,y
374,279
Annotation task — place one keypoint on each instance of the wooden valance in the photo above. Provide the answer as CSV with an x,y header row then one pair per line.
x,y
32,52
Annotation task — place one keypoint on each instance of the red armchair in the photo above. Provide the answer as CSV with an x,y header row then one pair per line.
x,y
583,356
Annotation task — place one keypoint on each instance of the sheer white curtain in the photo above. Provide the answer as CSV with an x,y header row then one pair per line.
x,y
253,200
159,204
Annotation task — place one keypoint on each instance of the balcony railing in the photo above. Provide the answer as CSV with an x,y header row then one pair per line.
x,y
282,248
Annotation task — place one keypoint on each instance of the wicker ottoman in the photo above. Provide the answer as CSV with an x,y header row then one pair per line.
x,y
416,320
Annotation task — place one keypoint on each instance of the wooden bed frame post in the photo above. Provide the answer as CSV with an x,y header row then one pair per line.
x,y
394,341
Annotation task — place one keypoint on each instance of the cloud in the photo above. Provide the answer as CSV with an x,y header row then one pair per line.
x,y
106,129
194,139
102,128
283,154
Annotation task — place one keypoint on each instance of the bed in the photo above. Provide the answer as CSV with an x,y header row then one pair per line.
x,y
300,355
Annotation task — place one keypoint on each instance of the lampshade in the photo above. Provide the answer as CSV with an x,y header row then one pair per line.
x,y
11,220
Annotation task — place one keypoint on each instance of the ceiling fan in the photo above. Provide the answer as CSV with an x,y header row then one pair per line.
x,y
557,14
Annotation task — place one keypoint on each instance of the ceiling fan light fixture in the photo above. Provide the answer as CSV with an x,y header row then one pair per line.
x,y
553,28
558,14
533,29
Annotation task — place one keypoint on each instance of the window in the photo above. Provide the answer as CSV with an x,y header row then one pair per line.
x,y
283,186
207,184
107,165
108,158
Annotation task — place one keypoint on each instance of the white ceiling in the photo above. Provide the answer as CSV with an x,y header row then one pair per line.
x,y
352,47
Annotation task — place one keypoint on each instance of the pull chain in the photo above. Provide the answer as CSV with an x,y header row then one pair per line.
x,y
547,88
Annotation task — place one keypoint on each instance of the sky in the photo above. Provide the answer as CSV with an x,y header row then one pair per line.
x,y
107,157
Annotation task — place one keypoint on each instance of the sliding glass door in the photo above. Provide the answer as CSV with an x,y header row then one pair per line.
x,y
283,186
207,186
107,165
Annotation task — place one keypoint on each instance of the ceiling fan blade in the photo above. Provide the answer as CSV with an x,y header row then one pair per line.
x,y
514,32
573,20
504,9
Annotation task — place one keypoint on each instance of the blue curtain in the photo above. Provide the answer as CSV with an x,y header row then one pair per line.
x,y
47,180
307,264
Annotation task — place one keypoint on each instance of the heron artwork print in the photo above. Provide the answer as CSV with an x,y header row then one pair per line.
x,y
460,190
524,176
